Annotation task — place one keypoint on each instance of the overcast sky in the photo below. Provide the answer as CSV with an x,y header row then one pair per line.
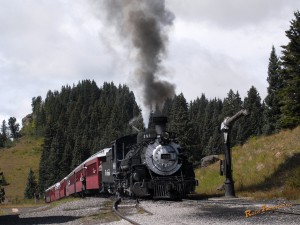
x,y
214,46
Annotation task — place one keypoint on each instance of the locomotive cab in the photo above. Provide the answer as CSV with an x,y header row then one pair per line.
x,y
111,167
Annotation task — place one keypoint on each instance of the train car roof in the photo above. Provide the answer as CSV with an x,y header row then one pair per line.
x,y
56,186
101,153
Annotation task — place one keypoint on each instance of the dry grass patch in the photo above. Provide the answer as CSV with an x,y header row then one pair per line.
x,y
264,167
15,163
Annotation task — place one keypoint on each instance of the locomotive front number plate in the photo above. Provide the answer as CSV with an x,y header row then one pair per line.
x,y
165,156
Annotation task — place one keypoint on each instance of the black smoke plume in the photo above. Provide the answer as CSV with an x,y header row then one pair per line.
x,y
145,24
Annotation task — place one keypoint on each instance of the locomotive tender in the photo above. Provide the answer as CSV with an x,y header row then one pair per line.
x,y
147,164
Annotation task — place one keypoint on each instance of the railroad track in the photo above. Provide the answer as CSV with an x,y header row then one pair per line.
x,y
128,207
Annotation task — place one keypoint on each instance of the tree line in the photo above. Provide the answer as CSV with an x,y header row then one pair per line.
x,y
80,120
9,132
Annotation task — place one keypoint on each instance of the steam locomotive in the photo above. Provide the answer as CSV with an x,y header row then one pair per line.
x,y
147,164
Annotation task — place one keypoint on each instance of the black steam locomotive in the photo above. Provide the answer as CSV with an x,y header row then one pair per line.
x,y
148,164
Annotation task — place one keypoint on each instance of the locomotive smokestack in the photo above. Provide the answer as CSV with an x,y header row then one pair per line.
x,y
145,24
158,122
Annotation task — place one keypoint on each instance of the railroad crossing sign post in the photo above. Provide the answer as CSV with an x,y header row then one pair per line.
x,y
226,128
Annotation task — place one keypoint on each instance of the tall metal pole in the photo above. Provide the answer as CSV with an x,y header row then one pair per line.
x,y
226,128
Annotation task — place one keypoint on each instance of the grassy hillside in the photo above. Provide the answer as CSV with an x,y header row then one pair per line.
x,y
15,163
265,167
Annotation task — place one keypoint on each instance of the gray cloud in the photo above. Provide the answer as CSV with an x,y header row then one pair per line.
x,y
232,14
44,45
213,46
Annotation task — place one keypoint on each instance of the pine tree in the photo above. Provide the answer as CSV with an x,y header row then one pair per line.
x,y
290,92
4,132
14,128
217,139
252,124
31,186
231,105
44,173
65,163
2,183
207,129
211,138
39,115
5,140
197,118
36,104
272,111
2,141
179,122
116,122
77,154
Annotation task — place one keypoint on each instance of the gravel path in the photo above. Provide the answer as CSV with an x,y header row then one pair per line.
x,y
216,212
90,211
75,212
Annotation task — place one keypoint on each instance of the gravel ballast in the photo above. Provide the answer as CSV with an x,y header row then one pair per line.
x,y
91,211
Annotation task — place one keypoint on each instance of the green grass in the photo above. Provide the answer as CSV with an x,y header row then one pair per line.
x,y
264,167
15,163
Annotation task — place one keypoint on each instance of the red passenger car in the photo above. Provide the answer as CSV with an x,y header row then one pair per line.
x,y
56,191
48,195
78,183
70,187
62,190
90,170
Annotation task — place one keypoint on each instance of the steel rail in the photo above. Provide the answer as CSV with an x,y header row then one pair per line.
x,y
116,211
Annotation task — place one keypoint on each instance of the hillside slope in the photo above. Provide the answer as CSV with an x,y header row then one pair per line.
x,y
16,162
264,167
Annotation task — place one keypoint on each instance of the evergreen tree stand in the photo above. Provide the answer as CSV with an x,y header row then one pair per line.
x,y
225,128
